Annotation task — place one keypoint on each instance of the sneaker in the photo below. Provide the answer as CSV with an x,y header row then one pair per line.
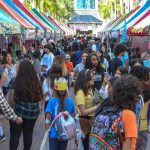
x,y
2,138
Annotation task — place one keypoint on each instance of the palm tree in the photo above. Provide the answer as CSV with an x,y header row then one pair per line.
x,y
109,8
60,9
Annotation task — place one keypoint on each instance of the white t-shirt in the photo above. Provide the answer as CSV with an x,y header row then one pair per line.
x,y
93,47
47,90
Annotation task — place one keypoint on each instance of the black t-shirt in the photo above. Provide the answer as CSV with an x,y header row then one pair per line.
x,y
115,64
98,79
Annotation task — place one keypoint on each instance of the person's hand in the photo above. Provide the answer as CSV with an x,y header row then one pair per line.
x,y
105,81
97,106
19,120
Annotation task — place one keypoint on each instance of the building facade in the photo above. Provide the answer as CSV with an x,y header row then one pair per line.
x,y
86,17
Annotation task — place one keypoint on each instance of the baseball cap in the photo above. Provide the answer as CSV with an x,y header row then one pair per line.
x,y
67,56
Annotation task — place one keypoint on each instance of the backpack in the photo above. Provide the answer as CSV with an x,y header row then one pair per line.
x,y
66,128
106,128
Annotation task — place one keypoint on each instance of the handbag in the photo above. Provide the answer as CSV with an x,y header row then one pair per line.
x,y
10,98
86,124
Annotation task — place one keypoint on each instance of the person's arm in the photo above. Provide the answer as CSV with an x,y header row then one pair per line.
x,y
85,112
47,121
3,78
104,88
127,144
7,111
75,70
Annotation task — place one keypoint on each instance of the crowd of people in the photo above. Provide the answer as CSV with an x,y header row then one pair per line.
x,y
111,93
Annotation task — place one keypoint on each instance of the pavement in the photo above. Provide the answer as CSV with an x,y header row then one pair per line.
x,y
38,135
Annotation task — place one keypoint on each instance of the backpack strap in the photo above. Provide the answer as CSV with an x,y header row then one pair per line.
x,y
121,131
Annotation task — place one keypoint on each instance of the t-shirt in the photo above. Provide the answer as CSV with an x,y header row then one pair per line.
x,y
98,79
69,66
79,67
94,48
130,126
47,60
54,108
143,119
47,89
124,59
82,99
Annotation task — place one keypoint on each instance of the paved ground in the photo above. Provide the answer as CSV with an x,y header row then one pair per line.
x,y
37,136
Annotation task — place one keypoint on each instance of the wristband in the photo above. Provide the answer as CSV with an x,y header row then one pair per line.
x,y
47,121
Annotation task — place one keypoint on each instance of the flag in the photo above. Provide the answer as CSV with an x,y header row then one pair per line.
x,y
124,33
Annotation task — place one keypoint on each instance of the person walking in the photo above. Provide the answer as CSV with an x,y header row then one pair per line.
x,y
27,97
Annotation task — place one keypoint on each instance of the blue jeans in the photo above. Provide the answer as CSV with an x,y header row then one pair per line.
x,y
55,144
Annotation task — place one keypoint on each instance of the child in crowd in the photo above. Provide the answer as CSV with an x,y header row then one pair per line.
x,y
68,63
58,103
69,66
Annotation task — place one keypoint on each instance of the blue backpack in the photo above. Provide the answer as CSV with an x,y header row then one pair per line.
x,y
107,128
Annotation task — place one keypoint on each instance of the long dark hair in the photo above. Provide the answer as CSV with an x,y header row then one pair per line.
x,y
88,64
27,85
55,73
83,78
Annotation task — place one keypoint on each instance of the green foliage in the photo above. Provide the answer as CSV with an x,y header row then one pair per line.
x,y
107,7
60,9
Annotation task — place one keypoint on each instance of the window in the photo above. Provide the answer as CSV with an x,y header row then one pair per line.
x,y
85,4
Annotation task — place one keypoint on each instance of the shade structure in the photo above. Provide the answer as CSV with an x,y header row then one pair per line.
x,y
20,12
44,20
66,29
4,17
7,24
31,15
138,28
15,15
127,17
116,22
110,23
130,21
53,20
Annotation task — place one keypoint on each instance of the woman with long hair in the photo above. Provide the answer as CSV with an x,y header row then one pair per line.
x,y
93,63
84,100
27,97
103,61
